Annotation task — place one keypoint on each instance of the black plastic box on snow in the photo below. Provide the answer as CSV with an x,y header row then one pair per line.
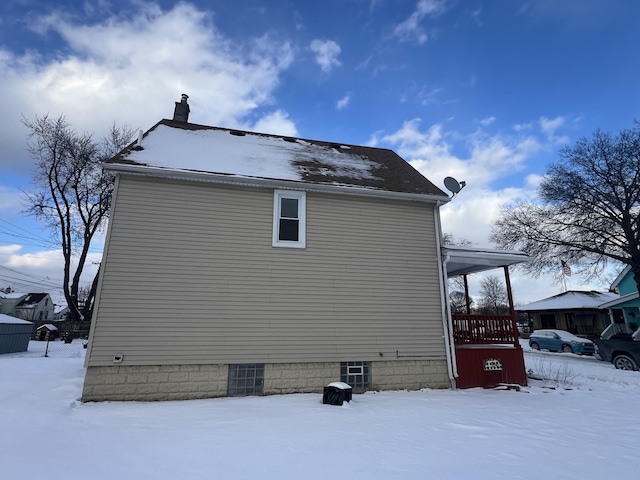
x,y
336,393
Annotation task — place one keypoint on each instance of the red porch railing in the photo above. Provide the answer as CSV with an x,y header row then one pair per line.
x,y
484,329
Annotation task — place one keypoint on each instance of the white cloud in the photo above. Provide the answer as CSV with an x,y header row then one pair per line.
x,y
487,121
549,127
39,271
343,102
471,213
326,52
277,123
489,158
519,127
131,69
410,29
428,97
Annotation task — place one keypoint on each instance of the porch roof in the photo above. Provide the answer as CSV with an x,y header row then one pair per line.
x,y
467,260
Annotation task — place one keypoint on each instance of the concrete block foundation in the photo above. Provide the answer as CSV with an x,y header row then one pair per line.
x,y
188,382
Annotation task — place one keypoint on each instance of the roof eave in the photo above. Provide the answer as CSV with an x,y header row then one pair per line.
x,y
237,180
617,301
465,261
619,278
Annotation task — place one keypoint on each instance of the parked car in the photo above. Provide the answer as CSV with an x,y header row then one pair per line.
x,y
621,350
560,341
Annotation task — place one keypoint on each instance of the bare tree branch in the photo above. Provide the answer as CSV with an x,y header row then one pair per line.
x,y
73,194
588,209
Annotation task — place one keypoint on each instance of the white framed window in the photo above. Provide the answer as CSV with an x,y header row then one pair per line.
x,y
289,219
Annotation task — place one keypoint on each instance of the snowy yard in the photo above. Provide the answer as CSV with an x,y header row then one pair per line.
x,y
584,428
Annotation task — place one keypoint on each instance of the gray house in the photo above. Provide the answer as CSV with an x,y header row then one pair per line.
x,y
239,263
578,312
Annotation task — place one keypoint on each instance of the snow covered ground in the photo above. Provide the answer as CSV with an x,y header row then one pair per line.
x,y
586,426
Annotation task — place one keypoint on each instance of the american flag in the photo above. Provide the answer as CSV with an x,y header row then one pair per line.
x,y
566,269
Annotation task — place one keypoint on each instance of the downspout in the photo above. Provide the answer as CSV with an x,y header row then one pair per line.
x,y
447,325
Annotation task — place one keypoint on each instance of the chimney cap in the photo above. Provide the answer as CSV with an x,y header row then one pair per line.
x,y
184,98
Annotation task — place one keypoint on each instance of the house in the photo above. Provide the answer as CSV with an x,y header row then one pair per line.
x,y
28,306
8,302
624,311
60,311
35,307
578,312
239,263
14,334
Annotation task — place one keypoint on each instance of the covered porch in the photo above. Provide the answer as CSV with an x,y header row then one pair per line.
x,y
487,348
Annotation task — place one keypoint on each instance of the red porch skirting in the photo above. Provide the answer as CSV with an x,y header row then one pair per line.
x,y
488,365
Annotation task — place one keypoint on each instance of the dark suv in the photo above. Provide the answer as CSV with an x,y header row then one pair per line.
x,y
621,350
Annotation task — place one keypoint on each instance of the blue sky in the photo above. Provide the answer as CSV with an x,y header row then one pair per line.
x,y
485,91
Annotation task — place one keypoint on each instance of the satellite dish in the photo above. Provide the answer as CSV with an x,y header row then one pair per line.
x,y
453,185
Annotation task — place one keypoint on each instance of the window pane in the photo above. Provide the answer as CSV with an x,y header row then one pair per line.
x,y
289,208
288,230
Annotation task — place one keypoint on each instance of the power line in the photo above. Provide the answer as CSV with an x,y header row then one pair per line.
x,y
29,278
19,232
15,231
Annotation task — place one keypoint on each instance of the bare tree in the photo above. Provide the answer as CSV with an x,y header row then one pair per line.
x,y
493,296
458,301
73,194
588,209
449,240
456,284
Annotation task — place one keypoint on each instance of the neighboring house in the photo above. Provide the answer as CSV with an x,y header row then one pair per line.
x,y
60,311
71,328
33,307
239,263
624,311
8,302
578,312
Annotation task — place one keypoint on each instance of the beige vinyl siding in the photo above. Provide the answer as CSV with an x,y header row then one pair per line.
x,y
190,277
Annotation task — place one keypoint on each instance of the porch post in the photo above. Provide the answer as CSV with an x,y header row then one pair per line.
x,y
512,310
466,294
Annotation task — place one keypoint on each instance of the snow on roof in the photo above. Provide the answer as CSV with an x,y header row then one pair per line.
x,y
12,295
57,308
48,326
570,300
9,319
248,155
183,147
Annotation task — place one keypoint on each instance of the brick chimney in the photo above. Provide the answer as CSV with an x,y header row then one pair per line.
x,y
181,112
